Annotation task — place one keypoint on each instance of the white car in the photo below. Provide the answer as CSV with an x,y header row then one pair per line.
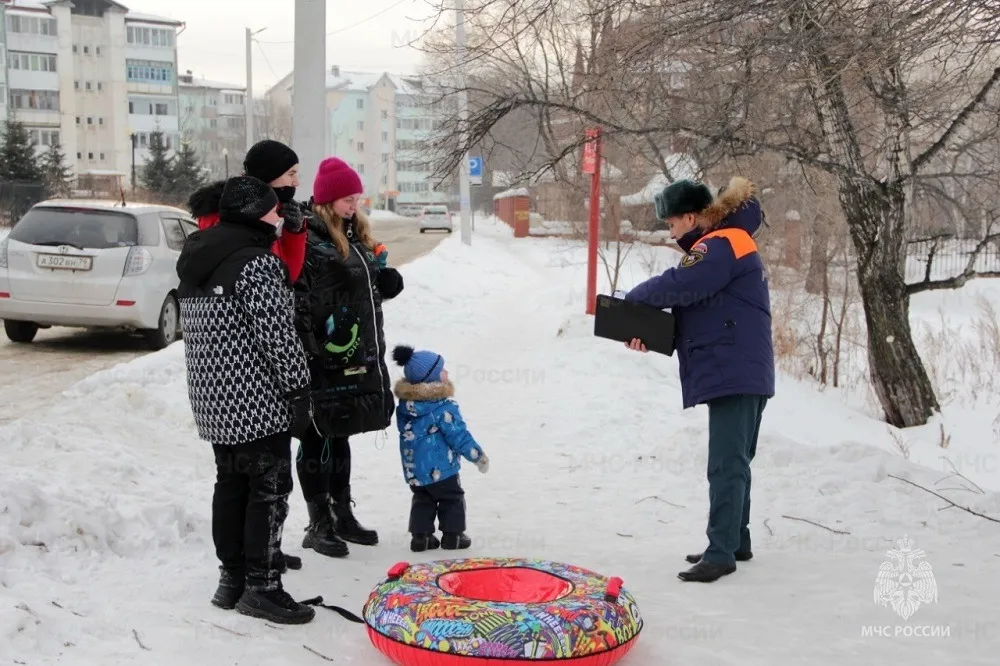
x,y
435,217
94,264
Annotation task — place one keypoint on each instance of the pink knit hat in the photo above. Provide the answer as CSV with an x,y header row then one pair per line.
x,y
335,180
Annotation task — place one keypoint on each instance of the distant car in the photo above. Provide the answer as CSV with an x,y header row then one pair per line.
x,y
435,217
94,264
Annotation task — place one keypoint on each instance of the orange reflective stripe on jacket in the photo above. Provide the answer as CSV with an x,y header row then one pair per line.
x,y
739,240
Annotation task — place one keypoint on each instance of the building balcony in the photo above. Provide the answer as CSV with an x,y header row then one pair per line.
x,y
20,79
149,123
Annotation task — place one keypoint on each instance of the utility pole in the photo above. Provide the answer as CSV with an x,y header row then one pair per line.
x,y
465,205
309,121
248,102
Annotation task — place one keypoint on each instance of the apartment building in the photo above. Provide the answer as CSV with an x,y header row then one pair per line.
x,y
94,77
213,118
378,126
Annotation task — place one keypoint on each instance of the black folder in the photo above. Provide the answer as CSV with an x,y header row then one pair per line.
x,y
621,320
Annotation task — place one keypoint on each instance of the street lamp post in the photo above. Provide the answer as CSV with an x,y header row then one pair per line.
x,y
225,156
134,140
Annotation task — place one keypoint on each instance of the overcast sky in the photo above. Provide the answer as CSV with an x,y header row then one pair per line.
x,y
370,36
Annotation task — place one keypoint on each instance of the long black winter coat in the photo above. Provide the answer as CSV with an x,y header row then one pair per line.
x,y
339,317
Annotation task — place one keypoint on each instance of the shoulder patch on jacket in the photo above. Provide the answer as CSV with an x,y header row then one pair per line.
x,y
739,240
691,258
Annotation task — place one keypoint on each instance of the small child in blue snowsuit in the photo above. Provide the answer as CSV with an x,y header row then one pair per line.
x,y
432,438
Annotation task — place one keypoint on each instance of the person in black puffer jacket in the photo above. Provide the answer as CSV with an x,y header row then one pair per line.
x,y
248,383
339,316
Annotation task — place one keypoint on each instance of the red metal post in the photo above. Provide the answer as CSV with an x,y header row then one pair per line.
x,y
592,164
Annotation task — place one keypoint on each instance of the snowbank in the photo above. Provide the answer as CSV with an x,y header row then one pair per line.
x,y
593,462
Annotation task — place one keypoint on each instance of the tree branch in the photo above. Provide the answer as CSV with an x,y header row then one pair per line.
x,y
958,122
938,495
927,284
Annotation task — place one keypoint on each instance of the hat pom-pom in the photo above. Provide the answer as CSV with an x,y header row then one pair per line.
x,y
402,354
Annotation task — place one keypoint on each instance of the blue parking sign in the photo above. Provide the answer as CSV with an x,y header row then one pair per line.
x,y
475,170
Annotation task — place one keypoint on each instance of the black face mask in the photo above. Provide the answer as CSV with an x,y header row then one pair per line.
x,y
285,194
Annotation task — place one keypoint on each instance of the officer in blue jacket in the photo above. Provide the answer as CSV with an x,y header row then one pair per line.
x,y
719,295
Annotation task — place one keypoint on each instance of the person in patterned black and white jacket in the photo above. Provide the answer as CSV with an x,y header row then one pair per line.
x,y
248,383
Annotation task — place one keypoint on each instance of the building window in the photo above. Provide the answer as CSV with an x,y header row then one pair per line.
x,y
102,157
44,137
100,86
149,71
32,62
88,85
86,50
385,114
90,156
90,120
32,25
361,146
78,120
100,121
42,100
385,157
361,103
361,124
97,51
229,98
159,37
79,156
385,136
76,85
361,168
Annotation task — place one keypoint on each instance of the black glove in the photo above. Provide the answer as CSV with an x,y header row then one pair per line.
x,y
390,282
295,221
302,413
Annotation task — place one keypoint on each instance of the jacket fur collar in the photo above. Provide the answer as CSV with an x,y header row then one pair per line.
x,y
739,191
424,392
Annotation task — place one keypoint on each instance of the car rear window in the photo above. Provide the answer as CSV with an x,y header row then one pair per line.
x,y
78,227
437,209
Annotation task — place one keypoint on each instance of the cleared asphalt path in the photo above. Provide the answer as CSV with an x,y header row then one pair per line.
x,y
33,376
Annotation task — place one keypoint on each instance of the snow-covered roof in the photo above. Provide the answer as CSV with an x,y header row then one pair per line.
x,y
136,17
355,81
681,166
206,83
46,6
518,192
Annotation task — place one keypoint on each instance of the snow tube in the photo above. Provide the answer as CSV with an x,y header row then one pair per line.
x,y
512,611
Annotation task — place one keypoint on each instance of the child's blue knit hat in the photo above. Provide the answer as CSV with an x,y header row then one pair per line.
x,y
418,366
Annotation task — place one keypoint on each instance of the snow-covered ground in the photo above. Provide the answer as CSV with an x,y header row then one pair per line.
x,y
106,553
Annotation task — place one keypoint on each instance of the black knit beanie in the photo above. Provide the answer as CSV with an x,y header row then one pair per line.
x,y
246,200
268,160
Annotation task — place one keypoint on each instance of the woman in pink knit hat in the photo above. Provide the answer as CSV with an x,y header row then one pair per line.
x,y
339,316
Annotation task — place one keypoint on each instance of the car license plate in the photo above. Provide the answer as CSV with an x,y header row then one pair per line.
x,y
65,262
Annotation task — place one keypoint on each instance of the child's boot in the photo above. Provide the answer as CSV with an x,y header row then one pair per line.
x,y
455,541
421,542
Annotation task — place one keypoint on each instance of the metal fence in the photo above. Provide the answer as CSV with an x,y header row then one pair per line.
x,y
949,258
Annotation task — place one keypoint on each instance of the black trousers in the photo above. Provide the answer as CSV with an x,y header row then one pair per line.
x,y
323,465
444,500
249,507
733,427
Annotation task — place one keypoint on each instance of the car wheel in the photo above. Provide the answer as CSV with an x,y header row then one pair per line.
x,y
167,333
422,230
20,331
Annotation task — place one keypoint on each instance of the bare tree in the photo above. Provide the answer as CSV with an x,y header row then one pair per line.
x,y
879,94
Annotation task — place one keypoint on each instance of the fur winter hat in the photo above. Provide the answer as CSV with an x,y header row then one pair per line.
x,y
680,197
418,366
268,160
335,180
245,199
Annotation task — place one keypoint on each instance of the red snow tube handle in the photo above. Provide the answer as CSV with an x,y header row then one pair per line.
x,y
396,570
613,589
